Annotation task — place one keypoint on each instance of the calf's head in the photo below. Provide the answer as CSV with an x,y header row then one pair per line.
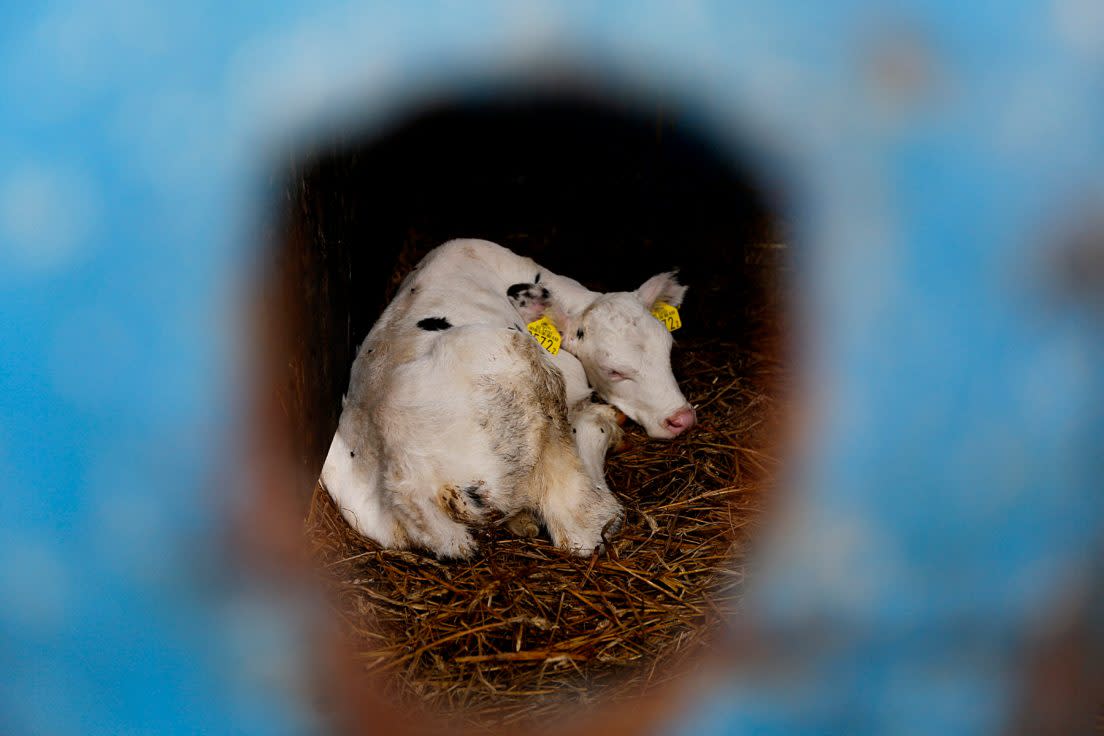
x,y
626,353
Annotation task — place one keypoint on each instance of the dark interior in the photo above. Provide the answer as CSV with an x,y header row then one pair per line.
x,y
605,192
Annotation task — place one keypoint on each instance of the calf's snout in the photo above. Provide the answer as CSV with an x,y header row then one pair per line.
x,y
680,421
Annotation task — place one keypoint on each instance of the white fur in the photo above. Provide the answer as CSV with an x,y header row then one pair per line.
x,y
440,428
619,334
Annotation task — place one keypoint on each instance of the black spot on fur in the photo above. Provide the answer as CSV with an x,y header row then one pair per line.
x,y
432,324
536,279
413,289
579,334
545,293
352,454
516,289
602,430
521,303
473,493
572,430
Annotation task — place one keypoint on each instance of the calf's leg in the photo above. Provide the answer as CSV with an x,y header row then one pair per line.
x,y
594,428
439,519
578,512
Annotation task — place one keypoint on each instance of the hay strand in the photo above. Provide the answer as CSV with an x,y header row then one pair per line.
x,y
523,629
524,632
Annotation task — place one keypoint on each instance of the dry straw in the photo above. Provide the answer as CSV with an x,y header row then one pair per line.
x,y
524,632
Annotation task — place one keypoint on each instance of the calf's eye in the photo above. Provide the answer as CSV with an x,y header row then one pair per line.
x,y
616,375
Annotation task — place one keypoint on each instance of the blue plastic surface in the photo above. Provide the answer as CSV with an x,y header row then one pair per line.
x,y
936,152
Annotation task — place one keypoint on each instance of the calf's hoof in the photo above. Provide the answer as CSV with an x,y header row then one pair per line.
x,y
524,525
599,527
461,547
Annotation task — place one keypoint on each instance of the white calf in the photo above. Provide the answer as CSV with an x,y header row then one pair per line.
x,y
455,415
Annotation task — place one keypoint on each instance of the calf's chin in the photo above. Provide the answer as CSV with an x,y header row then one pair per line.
x,y
663,424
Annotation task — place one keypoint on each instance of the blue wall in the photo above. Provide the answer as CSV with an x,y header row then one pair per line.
x,y
940,156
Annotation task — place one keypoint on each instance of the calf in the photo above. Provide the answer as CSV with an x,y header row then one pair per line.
x,y
456,416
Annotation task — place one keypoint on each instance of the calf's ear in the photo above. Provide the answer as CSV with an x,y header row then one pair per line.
x,y
564,322
663,287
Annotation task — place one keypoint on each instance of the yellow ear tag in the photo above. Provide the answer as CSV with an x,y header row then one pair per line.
x,y
668,315
546,333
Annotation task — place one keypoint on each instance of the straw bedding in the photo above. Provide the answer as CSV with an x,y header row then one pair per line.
x,y
524,630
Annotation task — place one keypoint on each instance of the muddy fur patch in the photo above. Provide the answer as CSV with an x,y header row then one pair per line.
x,y
522,414
460,505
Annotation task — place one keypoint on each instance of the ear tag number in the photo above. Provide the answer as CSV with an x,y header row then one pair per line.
x,y
546,333
668,315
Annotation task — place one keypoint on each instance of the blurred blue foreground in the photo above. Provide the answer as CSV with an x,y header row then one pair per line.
x,y
946,165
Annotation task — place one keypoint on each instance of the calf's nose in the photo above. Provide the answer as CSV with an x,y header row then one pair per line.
x,y
680,421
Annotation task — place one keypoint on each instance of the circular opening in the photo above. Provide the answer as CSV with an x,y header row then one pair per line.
x,y
606,193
